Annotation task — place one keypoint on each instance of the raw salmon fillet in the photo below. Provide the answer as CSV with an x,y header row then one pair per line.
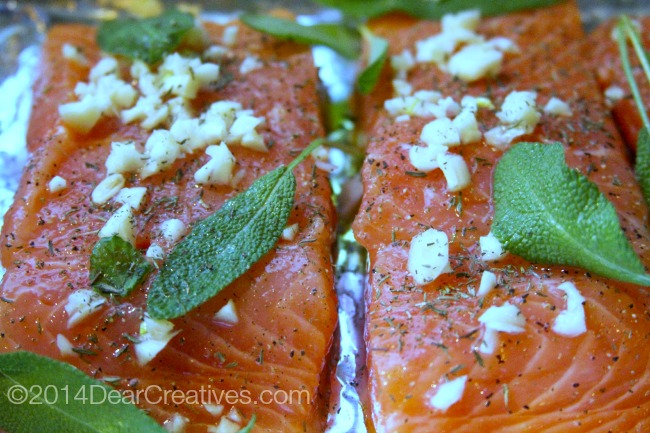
x,y
285,303
422,337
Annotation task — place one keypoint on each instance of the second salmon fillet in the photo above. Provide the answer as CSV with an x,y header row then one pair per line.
x,y
434,363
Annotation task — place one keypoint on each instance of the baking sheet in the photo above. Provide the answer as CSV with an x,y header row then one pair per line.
x,y
21,31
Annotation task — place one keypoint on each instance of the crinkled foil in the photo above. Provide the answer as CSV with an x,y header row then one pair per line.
x,y
22,26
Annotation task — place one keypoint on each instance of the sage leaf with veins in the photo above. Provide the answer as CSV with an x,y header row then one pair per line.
x,y
226,244
548,213
39,394
223,246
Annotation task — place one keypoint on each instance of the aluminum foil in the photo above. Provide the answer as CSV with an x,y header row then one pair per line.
x,y
22,26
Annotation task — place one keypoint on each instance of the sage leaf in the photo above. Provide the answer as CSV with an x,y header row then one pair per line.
x,y
39,394
378,52
431,9
226,244
642,165
223,246
116,267
342,39
548,213
145,39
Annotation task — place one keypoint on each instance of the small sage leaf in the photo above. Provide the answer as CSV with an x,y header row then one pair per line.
x,y
145,39
116,267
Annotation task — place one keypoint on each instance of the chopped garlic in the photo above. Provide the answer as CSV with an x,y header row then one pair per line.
x,y
124,158
120,224
107,188
571,321
74,54
614,94
176,424
227,313
244,124
501,136
428,256
455,170
106,66
57,183
290,232
504,45
557,107
468,19
155,252
214,409
426,158
440,132
488,282
476,61
229,37
131,196
402,63
402,88
154,336
448,393
172,230
64,345
506,318
217,171
519,109
81,304
491,248
81,115
149,110
250,63
162,151
225,426
467,126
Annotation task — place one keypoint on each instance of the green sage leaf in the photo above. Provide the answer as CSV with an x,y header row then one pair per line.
x,y
116,267
223,246
340,38
39,394
145,39
642,167
431,9
549,213
377,58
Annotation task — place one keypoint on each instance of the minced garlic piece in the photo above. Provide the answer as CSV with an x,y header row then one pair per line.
x,y
81,304
154,336
506,318
491,248
120,224
57,183
448,393
428,256
108,188
217,171
571,321
227,313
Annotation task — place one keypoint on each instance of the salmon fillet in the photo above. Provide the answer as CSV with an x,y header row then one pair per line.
x,y
285,303
422,337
